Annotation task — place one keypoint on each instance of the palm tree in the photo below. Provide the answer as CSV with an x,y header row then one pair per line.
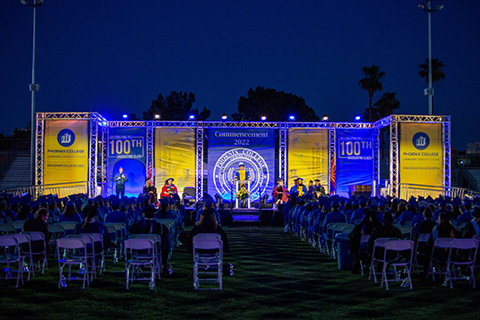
x,y
386,104
371,83
437,72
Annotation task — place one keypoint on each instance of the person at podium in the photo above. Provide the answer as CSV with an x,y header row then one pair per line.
x,y
242,175
299,189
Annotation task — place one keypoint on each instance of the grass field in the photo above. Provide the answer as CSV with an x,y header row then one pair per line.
x,y
276,277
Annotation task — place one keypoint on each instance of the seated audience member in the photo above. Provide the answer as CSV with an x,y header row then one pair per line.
x,y
70,214
208,203
466,215
385,230
91,225
366,226
207,224
444,229
427,225
38,224
472,228
118,215
148,225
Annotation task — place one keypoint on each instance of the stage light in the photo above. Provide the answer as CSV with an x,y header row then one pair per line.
x,y
358,118
156,116
224,117
125,116
292,118
104,123
325,117
263,118
191,117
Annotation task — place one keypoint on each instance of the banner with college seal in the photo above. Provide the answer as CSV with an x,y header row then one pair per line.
x,y
175,157
354,158
227,148
308,156
65,151
421,154
126,149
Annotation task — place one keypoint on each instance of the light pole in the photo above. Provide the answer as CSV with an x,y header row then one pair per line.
x,y
33,88
429,91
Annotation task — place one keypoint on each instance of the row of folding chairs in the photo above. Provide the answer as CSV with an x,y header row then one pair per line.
x,y
84,251
17,249
450,258
327,244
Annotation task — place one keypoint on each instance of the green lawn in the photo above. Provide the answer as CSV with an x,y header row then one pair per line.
x,y
276,276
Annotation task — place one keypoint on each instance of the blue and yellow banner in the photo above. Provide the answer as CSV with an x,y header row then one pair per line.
x,y
65,151
227,148
308,155
126,149
354,158
421,154
175,157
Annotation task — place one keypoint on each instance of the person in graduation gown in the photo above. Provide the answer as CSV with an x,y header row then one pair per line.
x,y
207,224
472,228
169,189
242,175
38,224
318,189
299,189
92,225
280,193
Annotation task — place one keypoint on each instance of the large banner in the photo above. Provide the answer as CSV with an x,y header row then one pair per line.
x,y
175,157
227,148
354,158
308,155
126,149
65,151
421,154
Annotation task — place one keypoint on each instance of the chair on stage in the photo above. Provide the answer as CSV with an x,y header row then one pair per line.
x,y
207,261
10,254
398,254
463,253
140,255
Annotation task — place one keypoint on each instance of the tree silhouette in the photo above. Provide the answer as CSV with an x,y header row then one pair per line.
x,y
385,105
371,83
275,105
175,106
437,72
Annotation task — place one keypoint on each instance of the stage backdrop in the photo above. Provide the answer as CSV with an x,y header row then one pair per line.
x,y
175,157
65,151
228,147
421,154
308,155
354,158
126,149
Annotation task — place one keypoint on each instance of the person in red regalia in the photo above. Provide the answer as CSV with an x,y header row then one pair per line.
x,y
169,189
280,193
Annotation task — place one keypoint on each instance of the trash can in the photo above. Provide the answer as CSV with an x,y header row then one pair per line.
x,y
344,259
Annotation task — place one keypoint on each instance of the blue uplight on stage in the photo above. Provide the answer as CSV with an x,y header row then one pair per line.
x,y
191,117
224,117
291,118
358,118
125,116
263,118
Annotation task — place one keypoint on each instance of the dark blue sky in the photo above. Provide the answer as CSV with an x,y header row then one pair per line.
x,y
117,56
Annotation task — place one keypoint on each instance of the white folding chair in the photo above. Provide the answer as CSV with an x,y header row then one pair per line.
x,y
140,253
18,224
406,232
90,244
379,244
440,250
57,231
99,251
421,248
477,261
207,261
157,239
40,237
68,226
72,251
393,257
10,254
341,228
26,253
463,253
7,229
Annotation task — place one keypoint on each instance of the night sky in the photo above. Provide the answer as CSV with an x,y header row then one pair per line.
x,y
117,56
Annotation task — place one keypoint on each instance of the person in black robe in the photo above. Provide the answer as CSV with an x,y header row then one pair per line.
x,y
207,224
472,228
38,224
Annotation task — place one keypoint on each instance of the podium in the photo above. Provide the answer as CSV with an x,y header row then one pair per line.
x,y
237,187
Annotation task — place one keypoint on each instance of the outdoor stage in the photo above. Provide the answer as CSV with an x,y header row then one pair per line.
x,y
87,150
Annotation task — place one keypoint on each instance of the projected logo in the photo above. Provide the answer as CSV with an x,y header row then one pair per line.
x,y
66,137
421,140
228,164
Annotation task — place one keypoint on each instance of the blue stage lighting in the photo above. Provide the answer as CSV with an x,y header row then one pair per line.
x,y
263,118
191,117
224,117
358,118
125,116
292,118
